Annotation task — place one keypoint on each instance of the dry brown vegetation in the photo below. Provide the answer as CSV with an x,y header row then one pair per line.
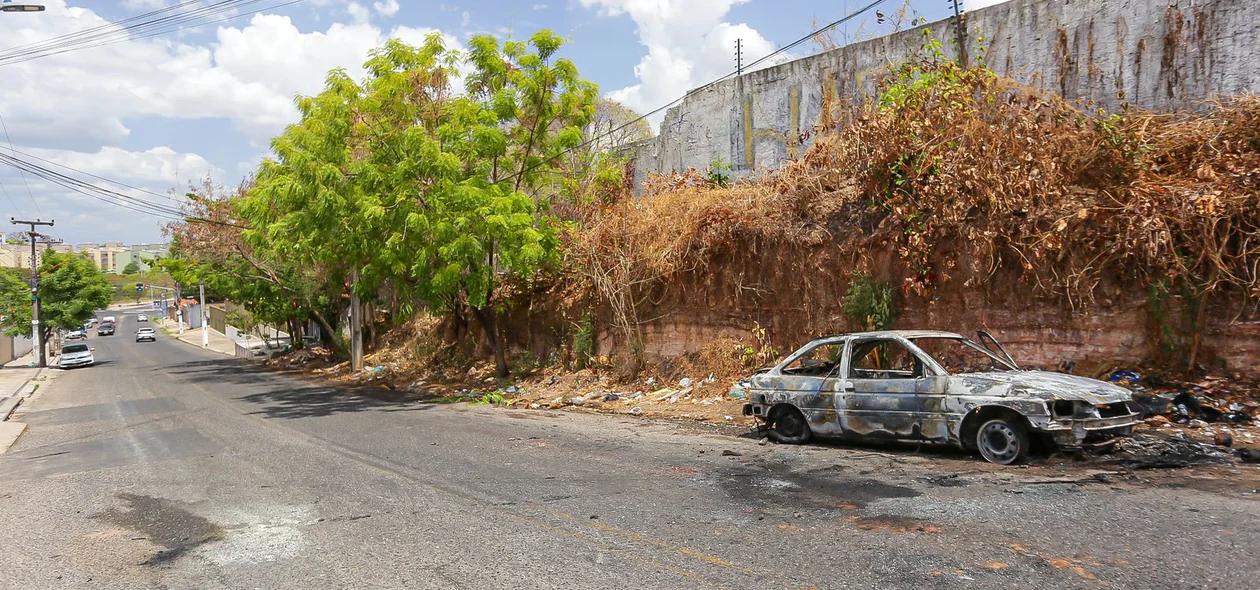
x,y
962,174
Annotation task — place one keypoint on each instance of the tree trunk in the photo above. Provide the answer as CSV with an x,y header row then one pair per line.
x,y
485,317
330,335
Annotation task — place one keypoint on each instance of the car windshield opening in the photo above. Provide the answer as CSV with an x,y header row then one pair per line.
x,y
73,348
959,355
815,362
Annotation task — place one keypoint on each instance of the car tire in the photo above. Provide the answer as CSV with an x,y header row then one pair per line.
x,y
788,425
1003,441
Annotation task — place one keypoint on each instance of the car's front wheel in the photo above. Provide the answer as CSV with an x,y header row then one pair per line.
x,y
788,425
1002,441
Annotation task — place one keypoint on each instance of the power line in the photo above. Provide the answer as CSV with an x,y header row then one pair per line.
x,y
108,196
671,103
62,179
97,37
24,183
109,180
109,34
6,195
54,40
106,31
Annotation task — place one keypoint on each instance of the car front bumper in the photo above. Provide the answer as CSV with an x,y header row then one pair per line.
x,y
76,363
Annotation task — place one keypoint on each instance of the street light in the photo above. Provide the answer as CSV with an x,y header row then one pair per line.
x,y
9,6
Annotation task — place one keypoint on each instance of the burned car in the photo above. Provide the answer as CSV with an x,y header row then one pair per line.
x,y
932,387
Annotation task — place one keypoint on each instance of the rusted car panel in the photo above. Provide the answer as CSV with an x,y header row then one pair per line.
x,y
897,390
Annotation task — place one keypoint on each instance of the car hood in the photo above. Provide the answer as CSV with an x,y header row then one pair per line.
x,y
1039,384
75,356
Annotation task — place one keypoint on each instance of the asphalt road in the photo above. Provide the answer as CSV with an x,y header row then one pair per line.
x,y
167,466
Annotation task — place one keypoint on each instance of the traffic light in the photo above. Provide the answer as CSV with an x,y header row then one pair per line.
x,y
139,287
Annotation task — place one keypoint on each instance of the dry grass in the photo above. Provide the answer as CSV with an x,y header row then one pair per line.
x,y
962,174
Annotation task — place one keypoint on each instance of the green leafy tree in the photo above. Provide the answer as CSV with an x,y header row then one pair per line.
x,y
399,182
132,268
71,290
209,247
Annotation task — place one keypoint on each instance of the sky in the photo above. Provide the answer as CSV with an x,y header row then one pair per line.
x,y
158,112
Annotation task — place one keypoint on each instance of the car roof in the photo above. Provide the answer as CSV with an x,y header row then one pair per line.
x,y
907,334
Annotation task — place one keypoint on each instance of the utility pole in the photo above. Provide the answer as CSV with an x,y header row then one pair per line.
x,y
205,317
960,26
36,341
739,57
356,325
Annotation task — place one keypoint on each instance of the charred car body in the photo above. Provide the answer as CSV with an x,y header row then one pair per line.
x,y
933,387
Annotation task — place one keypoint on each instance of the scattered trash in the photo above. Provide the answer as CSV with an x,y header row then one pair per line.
x,y
552,380
636,411
685,382
737,392
661,394
728,418
764,441
378,369
1148,451
650,381
1223,439
730,453
511,389
1122,376
612,397
709,380
1248,455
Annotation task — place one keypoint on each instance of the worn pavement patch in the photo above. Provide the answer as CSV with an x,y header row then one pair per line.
x,y
164,523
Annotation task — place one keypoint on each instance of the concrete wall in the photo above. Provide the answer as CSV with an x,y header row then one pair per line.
x,y
13,348
1156,55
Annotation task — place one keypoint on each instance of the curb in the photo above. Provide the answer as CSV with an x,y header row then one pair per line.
x,y
10,403
9,434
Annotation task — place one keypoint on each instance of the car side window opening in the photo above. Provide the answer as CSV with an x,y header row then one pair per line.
x,y
816,362
959,355
884,359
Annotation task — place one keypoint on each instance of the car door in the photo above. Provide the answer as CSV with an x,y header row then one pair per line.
x,y
880,389
803,382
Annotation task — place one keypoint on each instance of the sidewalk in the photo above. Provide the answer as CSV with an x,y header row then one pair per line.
x,y
17,382
218,342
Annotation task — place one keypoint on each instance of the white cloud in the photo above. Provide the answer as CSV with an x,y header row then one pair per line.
x,y
688,44
248,75
387,8
78,105
538,7
464,19
358,13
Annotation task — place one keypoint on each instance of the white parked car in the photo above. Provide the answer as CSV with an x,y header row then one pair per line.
x,y
146,334
142,318
76,355
76,335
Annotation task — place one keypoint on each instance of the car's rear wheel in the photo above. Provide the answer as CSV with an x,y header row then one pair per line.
x,y
1002,441
788,425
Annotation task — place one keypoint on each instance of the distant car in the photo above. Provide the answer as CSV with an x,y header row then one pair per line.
x,y
88,325
76,335
76,355
109,318
146,334
105,329
142,318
